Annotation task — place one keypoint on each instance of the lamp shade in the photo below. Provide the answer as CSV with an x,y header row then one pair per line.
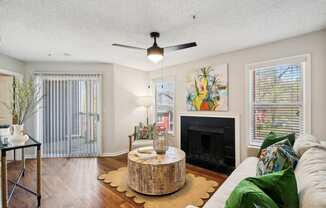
x,y
155,53
155,57
145,101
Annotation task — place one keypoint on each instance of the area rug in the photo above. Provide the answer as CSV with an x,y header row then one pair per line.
x,y
194,191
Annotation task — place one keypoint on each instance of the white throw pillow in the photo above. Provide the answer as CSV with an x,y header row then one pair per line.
x,y
323,143
305,142
310,174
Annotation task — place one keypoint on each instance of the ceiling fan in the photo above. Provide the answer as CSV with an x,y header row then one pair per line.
x,y
156,53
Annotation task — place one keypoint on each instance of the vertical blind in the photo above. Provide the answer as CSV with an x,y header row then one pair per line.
x,y
277,100
69,120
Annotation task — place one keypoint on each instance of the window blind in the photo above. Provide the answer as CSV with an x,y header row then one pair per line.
x,y
276,101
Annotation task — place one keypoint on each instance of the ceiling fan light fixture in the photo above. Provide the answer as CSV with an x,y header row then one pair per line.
x,y
155,54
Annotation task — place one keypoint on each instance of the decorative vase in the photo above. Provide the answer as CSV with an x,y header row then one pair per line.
x,y
16,135
160,143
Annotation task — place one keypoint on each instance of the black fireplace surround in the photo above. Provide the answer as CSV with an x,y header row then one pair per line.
x,y
209,142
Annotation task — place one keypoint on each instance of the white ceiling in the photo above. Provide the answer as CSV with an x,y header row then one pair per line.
x,y
31,29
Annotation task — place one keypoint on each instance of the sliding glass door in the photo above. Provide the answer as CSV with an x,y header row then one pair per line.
x,y
69,121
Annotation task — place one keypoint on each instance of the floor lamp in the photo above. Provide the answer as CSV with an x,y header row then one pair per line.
x,y
147,102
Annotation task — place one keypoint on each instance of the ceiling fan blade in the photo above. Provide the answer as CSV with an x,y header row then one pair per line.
x,y
126,46
180,47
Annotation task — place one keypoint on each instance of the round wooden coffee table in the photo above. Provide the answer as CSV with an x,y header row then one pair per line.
x,y
161,175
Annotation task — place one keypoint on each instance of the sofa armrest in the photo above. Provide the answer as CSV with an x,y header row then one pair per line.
x,y
246,169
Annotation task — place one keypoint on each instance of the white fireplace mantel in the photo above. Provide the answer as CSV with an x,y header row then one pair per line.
x,y
214,115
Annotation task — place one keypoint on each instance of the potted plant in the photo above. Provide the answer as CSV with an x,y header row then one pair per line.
x,y
26,97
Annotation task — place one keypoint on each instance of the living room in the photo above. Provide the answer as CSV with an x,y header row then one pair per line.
x,y
163,103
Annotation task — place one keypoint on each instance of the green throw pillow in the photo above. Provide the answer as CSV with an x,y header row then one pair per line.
x,y
278,156
273,138
248,195
276,190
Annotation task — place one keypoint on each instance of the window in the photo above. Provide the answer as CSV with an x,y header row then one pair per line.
x,y
164,103
278,101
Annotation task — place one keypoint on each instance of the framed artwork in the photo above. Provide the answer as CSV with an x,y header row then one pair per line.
x,y
207,89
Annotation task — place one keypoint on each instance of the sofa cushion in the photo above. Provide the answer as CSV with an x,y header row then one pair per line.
x,y
311,178
142,143
246,169
274,190
276,157
273,138
305,142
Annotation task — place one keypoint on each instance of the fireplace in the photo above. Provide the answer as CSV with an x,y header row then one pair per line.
x,y
209,142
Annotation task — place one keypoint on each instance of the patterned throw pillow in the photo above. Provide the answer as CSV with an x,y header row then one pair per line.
x,y
276,157
273,138
145,132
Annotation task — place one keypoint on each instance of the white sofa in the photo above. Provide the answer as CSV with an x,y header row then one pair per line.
x,y
310,175
246,169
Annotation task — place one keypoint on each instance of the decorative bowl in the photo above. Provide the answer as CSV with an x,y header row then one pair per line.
x,y
17,139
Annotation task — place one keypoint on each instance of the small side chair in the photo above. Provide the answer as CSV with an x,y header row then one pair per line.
x,y
135,140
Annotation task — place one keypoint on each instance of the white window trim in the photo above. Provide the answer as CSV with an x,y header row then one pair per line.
x,y
249,69
172,78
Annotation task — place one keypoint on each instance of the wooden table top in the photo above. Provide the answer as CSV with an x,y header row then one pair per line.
x,y
172,155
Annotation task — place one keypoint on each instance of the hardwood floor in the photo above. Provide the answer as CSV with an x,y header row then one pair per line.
x,y
72,183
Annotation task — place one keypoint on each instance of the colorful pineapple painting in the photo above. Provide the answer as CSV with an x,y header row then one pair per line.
x,y
208,89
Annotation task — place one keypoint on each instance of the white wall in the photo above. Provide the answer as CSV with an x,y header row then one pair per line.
x,y
120,86
313,43
11,64
128,84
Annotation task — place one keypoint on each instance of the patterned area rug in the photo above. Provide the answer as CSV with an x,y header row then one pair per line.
x,y
195,190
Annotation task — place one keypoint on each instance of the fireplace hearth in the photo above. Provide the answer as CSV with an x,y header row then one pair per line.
x,y
209,142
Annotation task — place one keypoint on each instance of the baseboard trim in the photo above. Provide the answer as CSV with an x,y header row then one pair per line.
x,y
27,157
112,154
102,155
107,154
30,156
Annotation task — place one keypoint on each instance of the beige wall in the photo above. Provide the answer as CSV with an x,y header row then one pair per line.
x,y
313,43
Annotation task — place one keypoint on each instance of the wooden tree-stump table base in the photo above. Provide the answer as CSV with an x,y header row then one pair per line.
x,y
161,175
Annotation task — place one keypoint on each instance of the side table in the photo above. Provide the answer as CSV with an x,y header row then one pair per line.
x,y
5,199
161,175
